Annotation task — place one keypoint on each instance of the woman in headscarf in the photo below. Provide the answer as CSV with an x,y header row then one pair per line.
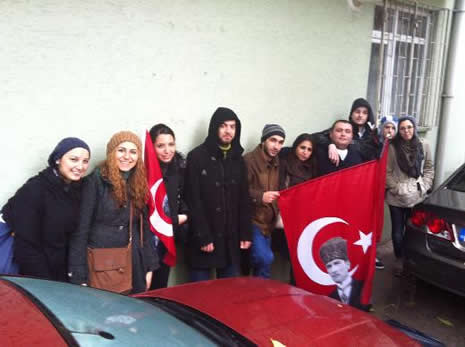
x,y
409,176
298,165
113,214
45,211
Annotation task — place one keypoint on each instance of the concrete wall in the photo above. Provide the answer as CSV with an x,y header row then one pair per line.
x,y
450,151
91,68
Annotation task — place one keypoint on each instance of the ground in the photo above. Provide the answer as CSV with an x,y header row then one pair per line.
x,y
417,304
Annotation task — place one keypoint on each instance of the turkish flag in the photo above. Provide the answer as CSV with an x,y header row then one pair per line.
x,y
160,223
337,216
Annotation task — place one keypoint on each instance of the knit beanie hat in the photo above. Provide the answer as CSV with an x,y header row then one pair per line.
x,y
272,129
123,136
335,248
387,120
65,146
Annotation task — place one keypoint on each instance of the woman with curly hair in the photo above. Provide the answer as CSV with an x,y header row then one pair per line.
x,y
113,196
173,167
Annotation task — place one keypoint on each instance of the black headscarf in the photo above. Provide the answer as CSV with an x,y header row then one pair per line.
x,y
295,170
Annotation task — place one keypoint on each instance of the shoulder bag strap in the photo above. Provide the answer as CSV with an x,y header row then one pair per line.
x,y
130,222
141,231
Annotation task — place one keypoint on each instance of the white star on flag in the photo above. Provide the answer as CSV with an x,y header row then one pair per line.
x,y
364,241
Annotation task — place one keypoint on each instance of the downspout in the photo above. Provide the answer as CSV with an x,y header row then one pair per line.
x,y
449,133
380,78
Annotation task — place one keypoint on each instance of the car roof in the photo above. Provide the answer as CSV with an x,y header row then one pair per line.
x,y
88,316
22,323
266,310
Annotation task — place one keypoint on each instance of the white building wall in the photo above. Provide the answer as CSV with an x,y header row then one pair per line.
x,y
91,68
450,150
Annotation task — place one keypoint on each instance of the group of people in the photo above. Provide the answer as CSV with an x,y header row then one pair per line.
x,y
223,204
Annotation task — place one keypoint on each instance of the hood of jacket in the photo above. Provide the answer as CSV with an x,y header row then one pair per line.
x,y
221,115
361,102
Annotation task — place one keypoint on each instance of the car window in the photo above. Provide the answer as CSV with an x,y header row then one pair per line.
x,y
99,318
457,182
217,331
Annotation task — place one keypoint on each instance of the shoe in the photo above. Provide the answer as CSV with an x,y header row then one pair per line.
x,y
379,264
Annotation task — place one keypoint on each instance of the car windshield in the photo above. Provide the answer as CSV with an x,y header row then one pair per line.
x,y
458,182
99,318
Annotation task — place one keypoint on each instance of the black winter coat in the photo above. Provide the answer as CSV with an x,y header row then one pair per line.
x,y
325,166
42,214
218,199
103,224
173,178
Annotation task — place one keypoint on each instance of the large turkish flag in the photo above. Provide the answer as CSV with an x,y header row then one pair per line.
x,y
347,205
160,222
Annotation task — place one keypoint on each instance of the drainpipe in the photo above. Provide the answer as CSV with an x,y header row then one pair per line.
x,y
450,153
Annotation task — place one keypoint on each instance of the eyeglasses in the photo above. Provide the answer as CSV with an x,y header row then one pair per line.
x,y
408,127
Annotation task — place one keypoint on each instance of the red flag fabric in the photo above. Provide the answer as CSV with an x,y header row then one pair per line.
x,y
332,224
160,224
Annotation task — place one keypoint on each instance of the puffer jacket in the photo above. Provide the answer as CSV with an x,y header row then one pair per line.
x,y
405,191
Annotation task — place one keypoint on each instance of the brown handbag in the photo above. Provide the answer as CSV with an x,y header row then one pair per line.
x,y
111,268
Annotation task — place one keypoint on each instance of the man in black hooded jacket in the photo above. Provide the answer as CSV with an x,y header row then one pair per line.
x,y
218,199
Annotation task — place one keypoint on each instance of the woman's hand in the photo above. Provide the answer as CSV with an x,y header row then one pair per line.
x,y
148,280
246,244
182,218
208,248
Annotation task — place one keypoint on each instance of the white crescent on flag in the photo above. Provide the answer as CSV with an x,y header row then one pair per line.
x,y
159,223
305,251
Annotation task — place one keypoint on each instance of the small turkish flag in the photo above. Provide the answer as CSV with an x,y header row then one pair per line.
x,y
332,224
160,224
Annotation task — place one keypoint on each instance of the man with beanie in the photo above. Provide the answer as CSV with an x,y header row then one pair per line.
x,y
263,176
333,253
217,196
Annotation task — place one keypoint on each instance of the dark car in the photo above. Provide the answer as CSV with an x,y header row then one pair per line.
x,y
228,312
435,236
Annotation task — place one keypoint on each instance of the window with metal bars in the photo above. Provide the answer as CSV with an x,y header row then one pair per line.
x,y
407,66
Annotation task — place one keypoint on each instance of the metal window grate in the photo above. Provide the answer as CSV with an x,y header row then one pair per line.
x,y
407,66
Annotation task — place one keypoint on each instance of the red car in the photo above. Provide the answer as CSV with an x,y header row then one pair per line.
x,y
229,312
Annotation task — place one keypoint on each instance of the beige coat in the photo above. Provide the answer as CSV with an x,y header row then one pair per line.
x,y
401,190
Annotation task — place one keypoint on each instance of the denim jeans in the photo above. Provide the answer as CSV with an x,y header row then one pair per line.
x,y
399,216
197,275
261,255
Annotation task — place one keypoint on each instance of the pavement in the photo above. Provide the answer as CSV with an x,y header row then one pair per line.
x,y
417,304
